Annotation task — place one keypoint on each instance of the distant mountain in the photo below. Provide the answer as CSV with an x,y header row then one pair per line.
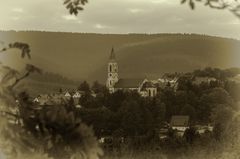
x,y
85,56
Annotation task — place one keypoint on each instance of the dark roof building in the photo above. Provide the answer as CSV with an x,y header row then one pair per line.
x,y
179,121
129,83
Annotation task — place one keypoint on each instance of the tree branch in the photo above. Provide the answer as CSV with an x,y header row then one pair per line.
x,y
20,79
9,113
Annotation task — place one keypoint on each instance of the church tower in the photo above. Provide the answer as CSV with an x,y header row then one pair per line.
x,y
112,72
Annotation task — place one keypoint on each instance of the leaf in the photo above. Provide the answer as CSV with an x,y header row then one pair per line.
x,y
23,54
192,5
28,54
66,1
79,8
183,1
9,76
69,6
71,10
4,49
76,2
84,2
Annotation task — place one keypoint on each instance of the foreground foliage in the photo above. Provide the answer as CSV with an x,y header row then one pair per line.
x,y
27,131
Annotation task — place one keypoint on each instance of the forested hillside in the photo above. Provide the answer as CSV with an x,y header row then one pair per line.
x,y
46,83
85,55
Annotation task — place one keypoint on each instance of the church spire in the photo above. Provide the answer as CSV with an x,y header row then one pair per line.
x,y
112,72
112,56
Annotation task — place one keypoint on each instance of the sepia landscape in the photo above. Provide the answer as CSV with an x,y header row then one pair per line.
x,y
134,80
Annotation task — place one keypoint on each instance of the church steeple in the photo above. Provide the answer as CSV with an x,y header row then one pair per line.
x,y
112,55
112,71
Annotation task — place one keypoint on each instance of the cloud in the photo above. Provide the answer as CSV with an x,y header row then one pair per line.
x,y
69,17
79,22
164,2
235,22
114,16
18,10
158,1
136,10
100,26
15,18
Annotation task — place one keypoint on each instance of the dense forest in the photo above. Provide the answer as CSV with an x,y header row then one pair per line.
x,y
129,109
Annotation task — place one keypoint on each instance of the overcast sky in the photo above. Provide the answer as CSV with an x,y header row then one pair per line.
x,y
118,16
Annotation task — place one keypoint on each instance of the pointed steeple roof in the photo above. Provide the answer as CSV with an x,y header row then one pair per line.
x,y
112,56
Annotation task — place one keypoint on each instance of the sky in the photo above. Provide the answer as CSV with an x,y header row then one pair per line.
x,y
118,16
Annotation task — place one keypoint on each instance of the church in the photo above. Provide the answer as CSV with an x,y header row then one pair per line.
x,y
144,87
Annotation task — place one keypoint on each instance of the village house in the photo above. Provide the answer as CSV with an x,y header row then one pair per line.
x,y
144,87
179,123
57,98
235,78
170,82
199,80
201,129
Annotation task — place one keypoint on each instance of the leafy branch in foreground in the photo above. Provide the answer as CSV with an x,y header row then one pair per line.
x,y
29,69
232,5
25,49
74,6
29,130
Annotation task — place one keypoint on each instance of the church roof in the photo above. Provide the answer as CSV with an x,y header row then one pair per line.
x,y
149,84
112,55
129,83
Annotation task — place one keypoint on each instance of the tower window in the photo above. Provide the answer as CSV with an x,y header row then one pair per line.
x,y
110,68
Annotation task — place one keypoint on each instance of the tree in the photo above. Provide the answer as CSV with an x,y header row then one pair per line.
x,y
221,117
232,6
190,111
136,119
97,87
167,96
190,135
61,128
114,100
74,6
131,118
84,86
60,90
211,100
233,89
35,131
157,109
